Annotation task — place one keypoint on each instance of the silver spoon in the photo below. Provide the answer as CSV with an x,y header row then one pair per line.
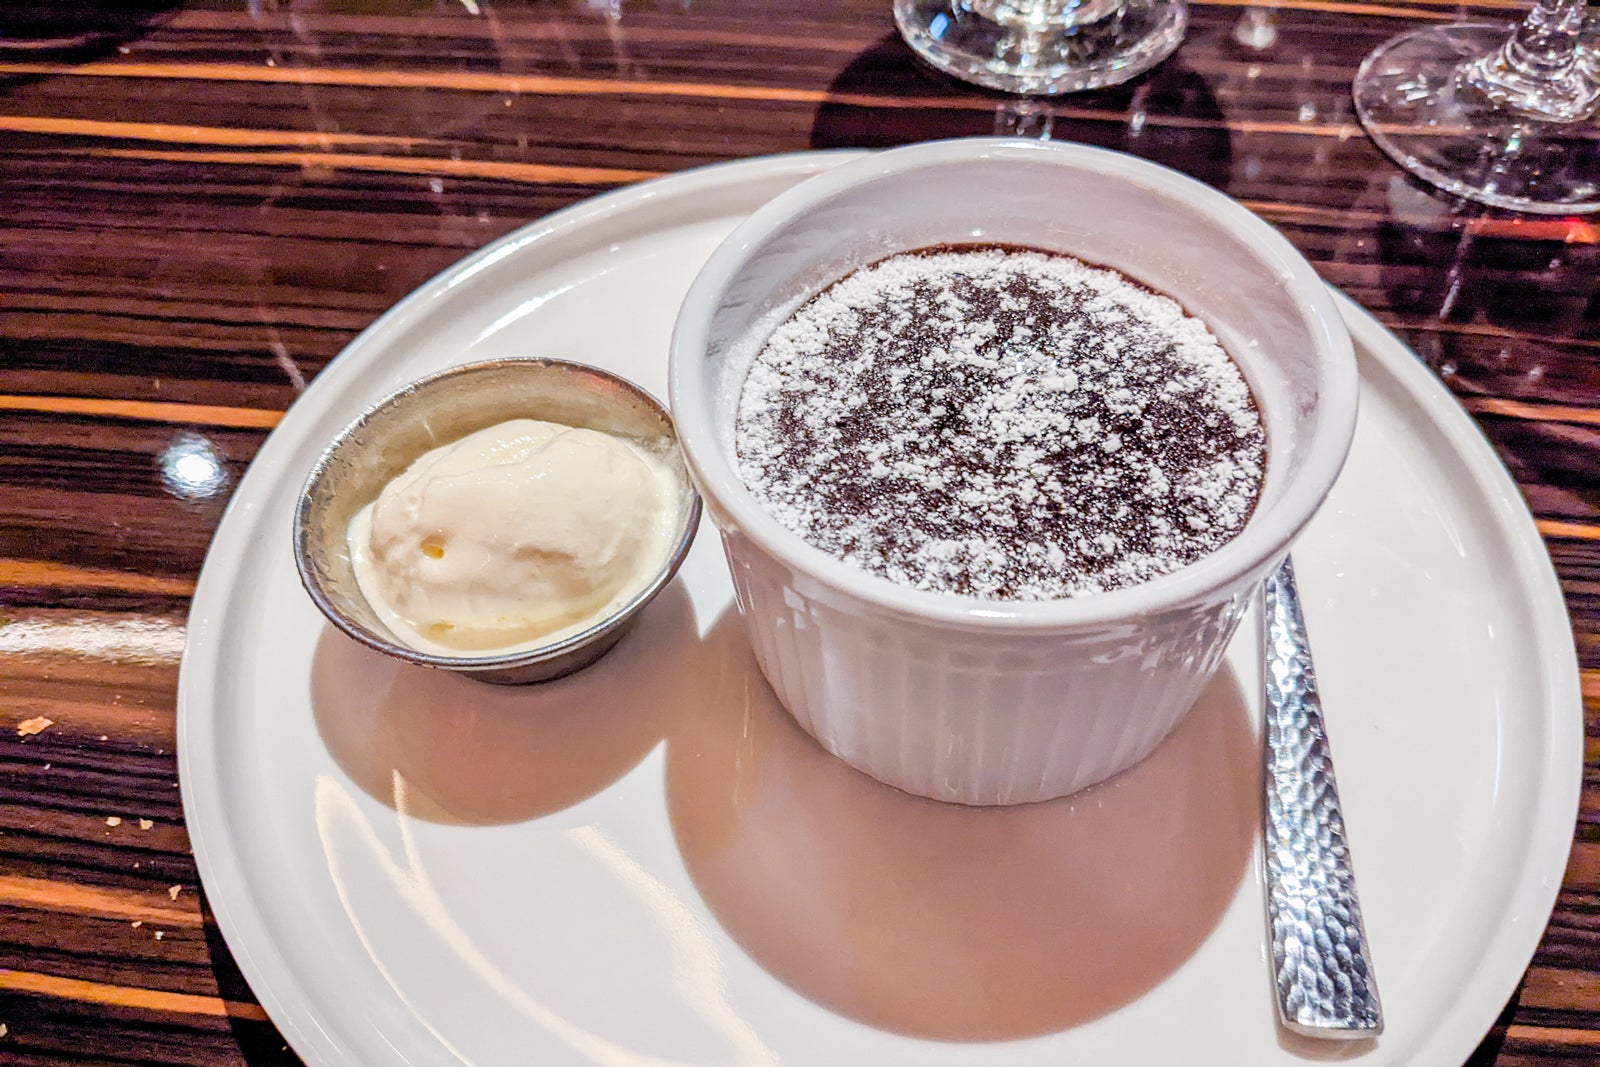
x,y
1320,960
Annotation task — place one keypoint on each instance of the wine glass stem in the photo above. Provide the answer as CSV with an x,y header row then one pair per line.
x,y
1537,71
1547,41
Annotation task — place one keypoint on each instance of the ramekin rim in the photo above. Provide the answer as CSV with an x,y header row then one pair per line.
x,y
1265,539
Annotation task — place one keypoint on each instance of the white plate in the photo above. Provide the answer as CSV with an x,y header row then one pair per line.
x,y
649,864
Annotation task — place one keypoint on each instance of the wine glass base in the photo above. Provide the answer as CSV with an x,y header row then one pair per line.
x,y
956,38
1416,102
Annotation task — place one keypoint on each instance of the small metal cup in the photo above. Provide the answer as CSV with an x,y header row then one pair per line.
x,y
446,407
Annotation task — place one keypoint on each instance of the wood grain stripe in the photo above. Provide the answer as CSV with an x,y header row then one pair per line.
x,y
33,572
127,996
1577,530
1555,1036
527,84
1573,230
1583,866
1478,329
537,173
421,33
378,24
208,135
1560,988
1458,11
1337,7
1517,409
653,31
46,895
146,411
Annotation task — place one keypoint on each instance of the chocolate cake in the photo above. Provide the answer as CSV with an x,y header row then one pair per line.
x,y
1000,422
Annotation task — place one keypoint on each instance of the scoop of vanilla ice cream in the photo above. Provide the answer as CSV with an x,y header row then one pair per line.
x,y
513,536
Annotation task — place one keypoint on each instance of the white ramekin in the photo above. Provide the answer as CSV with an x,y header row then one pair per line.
x,y
992,702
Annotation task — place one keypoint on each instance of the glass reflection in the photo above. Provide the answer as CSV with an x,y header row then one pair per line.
x,y
191,468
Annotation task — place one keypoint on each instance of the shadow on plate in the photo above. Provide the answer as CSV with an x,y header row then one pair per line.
x,y
1129,118
440,747
950,922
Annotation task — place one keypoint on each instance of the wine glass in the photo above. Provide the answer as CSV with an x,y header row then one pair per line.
x,y
1498,118
1042,47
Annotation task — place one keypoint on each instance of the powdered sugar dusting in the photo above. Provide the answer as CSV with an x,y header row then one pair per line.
x,y
1000,422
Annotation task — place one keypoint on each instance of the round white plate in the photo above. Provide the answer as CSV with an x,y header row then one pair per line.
x,y
649,864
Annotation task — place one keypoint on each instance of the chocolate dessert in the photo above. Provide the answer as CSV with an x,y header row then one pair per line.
x,y
1000,422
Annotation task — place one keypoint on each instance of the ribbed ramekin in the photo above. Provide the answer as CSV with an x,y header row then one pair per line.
x,y
993,702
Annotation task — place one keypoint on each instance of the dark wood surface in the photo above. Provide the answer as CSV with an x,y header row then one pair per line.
x,y
202,203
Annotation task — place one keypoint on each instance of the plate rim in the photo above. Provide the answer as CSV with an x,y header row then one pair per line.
x,y
1561,789
308,1029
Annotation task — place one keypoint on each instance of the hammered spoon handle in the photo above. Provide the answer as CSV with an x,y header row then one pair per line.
x,y
1320,960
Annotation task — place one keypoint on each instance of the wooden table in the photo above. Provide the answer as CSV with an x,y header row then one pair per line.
x,y
202,203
